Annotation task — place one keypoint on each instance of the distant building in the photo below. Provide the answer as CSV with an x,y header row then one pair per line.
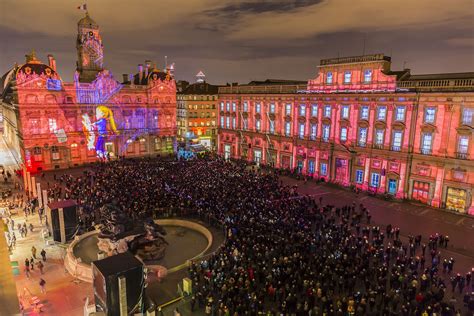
x,y
50,123
197,113
360,124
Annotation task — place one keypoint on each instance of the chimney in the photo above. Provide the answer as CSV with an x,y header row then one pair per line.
x,y
147,67
140,73
125,78
52,62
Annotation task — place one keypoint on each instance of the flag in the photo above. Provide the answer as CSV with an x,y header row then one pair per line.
x,y
82,7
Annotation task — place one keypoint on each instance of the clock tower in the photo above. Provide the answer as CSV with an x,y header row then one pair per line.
x,y
89,47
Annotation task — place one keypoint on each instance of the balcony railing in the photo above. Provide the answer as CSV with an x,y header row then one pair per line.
x,y
378,146
461,155
325,139
425,151
396,148
361,144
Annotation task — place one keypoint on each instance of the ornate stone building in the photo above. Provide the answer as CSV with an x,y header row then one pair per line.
x,y
360,124
50,123
197,112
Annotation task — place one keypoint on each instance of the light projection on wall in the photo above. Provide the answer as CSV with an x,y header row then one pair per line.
x,y
104,123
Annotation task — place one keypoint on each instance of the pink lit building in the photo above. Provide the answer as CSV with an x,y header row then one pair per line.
x,y
360,124
50,123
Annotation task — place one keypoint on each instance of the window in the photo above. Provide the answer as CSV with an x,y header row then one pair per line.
x,y
287,129
362,136
343,136
157,143
347,76
37,154
272,108
227,106
314,131
397,140
375,180
142,145
245,124
364,113
359,176
233,123
467,115
345,112
288,109
246,106
326,131
271,126
379,137
53,125
55,152
314,110
258,125
368,75
35,127
400,113
227,122
222,106
327,111
222,122
324,169
463,144
311,166
258,108
301,130
430,114
426,140
382,113
302,110
329,78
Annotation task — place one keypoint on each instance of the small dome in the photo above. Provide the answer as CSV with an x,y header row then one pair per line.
x,y
88,22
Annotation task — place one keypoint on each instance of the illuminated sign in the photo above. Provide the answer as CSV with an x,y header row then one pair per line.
x,y
53,84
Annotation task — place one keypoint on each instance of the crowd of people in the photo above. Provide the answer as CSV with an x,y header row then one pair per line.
x,y
283,253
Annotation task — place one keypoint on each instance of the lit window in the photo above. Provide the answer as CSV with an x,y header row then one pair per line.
x,y
327,111
227,122
246,124
375,180
246,106
272,107
381,113
222,122
257,125
362,136
233,123
343,137
368,75
326,131
467,115
302,110
301,130
288,109
426,142
53,125
257,107
347,77
222,106
397,140
287,129
55,152
359,176
311,166
463,144
400,113
314,131
271,126
324,169
227,106
329,77
345,112
364,113
379,136
314,110
35,126
430,115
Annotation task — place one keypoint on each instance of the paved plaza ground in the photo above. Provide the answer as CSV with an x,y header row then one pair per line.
x,y
66,296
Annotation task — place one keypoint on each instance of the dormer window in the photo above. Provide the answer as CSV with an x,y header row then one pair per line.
x,y
347,76
329,78
368,75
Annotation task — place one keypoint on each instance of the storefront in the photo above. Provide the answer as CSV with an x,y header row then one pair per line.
x,y
342,171
456,199
421,191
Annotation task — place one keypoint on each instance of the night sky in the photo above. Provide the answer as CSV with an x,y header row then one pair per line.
x,y
239,41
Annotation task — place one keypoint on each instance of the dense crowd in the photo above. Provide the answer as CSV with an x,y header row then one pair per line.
x,y
283,253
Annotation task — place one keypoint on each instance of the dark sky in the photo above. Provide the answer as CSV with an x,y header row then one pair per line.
x,y
239,41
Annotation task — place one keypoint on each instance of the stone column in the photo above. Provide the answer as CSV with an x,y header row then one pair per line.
x,y
45,198
25,179
28,181
39,194
33,186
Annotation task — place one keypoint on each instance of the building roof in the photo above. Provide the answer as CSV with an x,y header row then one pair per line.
x,y
201,88
154,74
459,75
88,22
268,82
116,264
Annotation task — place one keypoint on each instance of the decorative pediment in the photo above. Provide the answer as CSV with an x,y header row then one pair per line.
x,y
326,120
398,126
380,125
344,122
288,118
428,128
465,130
363,123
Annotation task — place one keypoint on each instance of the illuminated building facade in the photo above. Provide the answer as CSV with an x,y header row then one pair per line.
x,y
197,113
360,124
50,123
